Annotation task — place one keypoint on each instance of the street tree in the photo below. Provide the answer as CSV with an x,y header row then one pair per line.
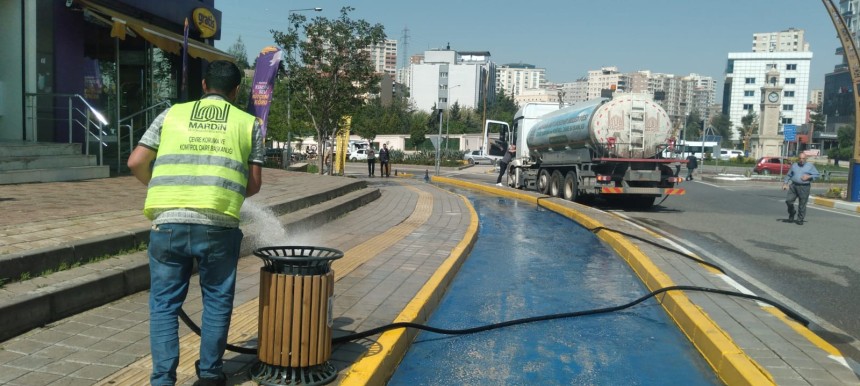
x,y
816,121
330,70
502,109
238,51
845,148
693,127
723,125
749,126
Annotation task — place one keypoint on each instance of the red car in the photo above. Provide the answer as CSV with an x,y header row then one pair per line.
x,y
772,165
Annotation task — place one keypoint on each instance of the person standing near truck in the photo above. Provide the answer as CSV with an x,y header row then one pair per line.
x,y
200,160
384,157
692,164
503,163
798,182
371,161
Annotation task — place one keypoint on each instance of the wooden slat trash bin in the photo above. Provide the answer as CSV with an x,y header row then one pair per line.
x,y
296,295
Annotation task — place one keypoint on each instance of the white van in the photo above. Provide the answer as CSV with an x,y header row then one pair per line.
x,y
727,154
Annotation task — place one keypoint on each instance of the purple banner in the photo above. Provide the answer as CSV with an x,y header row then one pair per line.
x,y
264,83
184,87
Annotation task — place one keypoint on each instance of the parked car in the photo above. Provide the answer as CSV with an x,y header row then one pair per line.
x,y
474,157
727,154
358,155
772,165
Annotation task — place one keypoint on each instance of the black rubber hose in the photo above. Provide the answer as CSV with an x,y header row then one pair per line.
x,y
196,329
509,323
377,330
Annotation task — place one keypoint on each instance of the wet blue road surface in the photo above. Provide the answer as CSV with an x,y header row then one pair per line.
x,y
531,262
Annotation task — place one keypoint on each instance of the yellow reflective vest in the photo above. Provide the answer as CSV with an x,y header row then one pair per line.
x,y
202,159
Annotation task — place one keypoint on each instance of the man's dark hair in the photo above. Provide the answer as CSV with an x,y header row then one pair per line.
x,y
222,76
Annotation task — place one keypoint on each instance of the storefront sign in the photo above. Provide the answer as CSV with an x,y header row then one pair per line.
x,y
205,22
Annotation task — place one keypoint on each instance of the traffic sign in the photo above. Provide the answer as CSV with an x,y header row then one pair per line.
x,y
790,132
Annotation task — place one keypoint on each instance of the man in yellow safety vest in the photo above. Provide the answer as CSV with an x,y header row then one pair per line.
x,y
200,160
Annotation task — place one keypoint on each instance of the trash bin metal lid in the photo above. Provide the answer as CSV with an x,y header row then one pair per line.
x,y
298,259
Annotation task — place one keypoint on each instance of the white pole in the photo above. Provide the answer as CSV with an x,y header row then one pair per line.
x,y
439,142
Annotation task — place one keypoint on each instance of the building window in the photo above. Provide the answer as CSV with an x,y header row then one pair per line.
x,y
748,106
791,67
749,80
788,94
787,107
771,66
790,80
749,93
787,121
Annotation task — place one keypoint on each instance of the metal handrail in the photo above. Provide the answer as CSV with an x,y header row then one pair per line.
x,y
99,123
166,103
128,124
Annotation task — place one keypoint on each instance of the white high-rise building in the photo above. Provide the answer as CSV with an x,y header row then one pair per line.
x,y
445,77
517,77
607,78
745,76
575,92
790,40
384,57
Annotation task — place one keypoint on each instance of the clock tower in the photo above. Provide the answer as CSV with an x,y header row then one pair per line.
x,y
768,141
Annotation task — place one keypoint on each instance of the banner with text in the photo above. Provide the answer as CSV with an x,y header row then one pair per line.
x,y
268,63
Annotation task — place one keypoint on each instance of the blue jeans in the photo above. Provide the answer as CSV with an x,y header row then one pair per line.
x,y
173,248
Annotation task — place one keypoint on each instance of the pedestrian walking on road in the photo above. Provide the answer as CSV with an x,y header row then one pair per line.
x,y
384,158
371,161
503,163
692,164
208,157
797,182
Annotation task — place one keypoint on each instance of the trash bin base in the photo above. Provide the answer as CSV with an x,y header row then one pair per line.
x,y
271,375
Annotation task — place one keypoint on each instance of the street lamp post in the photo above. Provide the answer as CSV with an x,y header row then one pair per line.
x,y
448,115
290,75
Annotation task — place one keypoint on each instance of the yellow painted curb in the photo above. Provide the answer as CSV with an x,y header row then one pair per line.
x,y
728,360
377,367
823,202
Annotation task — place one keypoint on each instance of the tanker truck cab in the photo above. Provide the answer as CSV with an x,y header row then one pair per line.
x,y
608,148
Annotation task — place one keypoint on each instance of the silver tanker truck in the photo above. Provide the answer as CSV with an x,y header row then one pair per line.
x,y
610,148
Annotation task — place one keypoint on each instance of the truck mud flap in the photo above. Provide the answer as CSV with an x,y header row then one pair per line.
x,y
652,191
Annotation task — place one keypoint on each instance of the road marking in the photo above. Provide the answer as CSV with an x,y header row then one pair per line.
x,y
813,318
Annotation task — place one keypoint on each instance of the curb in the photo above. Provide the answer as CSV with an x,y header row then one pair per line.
x,y
837,204
729,362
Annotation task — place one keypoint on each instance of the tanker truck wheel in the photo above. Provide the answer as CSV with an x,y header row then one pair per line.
x,y
543,181
555,184
570,187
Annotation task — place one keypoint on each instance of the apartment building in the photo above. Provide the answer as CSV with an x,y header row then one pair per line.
x,y
384,57
745,76
790,40
514,78
445,76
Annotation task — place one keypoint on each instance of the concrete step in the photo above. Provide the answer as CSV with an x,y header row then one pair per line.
x,y
46,162
53,174
31,303
30,149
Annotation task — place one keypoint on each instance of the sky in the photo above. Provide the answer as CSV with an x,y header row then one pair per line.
x,y
567,38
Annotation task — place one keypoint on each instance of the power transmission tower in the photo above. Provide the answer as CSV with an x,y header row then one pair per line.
x,y
405,45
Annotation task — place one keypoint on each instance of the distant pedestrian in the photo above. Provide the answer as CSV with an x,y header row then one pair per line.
x,y
371,161
384,158
692,164
503,163
797,182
